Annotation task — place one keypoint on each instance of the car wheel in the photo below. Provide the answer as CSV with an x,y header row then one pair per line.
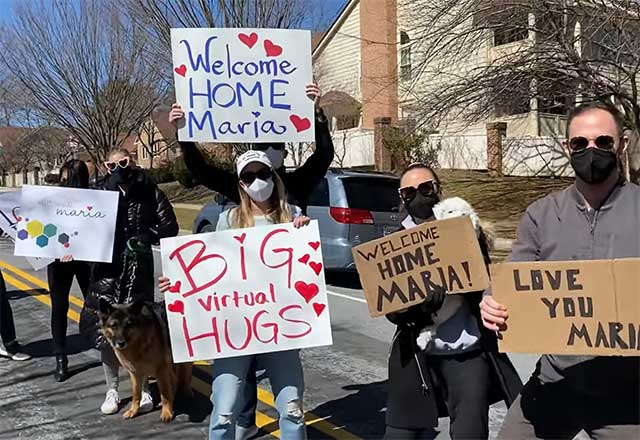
x,y
207,228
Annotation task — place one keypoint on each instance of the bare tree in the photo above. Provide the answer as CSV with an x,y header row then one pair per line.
x,y
83,65
156,135
543,55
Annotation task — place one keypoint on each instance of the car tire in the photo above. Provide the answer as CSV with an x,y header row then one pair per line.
x,y
207,228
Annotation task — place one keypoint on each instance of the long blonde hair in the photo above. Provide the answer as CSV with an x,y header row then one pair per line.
x,y
242,215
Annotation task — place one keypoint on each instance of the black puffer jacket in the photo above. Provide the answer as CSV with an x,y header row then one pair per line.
x,y
145,215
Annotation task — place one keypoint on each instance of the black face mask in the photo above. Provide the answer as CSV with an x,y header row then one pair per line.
x,y
421,207
594,165
120,176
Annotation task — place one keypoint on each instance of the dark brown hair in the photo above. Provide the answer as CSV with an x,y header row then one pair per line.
x,y
617,115
421,166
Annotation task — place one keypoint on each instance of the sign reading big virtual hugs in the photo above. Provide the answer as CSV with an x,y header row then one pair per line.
x,y
577,307
404,268
243,85
245,291
57,221
9,220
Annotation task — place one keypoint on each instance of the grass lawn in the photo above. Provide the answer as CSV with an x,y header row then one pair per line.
x,y
185,217
501,201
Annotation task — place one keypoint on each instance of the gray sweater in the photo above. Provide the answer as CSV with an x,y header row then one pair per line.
x,y
561,227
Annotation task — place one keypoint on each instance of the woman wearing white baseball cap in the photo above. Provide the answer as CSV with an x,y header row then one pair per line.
x,y
263,201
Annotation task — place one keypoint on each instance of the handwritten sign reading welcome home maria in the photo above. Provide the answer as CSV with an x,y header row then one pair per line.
x,y
577,307
245,291
403,269
243,85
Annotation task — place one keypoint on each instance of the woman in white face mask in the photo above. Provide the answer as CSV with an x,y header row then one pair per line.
x,y
263,201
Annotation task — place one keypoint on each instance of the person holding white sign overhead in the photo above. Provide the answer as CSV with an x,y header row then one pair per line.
x,y
263,201
60,274
298,183
144,217
597,218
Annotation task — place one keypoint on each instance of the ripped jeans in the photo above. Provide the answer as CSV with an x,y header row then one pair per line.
x,y
284,371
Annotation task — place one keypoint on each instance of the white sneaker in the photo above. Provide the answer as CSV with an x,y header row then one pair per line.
x,y
146,403
12,351
111,403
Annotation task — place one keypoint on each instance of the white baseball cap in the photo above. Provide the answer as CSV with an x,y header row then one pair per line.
x,y
252,156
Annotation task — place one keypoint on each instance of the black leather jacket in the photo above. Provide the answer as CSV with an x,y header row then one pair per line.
x,y
145,215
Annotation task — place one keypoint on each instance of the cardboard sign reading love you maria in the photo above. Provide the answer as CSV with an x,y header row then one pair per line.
x,y
243,85
245,291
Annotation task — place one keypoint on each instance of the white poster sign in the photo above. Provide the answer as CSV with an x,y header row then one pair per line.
x,y
57,221
245,291
9,219
243,85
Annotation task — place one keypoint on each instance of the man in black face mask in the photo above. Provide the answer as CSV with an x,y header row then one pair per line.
x,y
597,218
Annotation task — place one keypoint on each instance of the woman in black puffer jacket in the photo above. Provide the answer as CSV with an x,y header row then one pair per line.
x,y
144,217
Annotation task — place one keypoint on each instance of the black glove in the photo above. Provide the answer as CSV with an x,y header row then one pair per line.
x,y
434,300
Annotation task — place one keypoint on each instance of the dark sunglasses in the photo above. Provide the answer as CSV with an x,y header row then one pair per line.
x,y
122,163
250,176
603,142
427,188
265,147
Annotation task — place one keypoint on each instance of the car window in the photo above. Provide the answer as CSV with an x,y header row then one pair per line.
x,y
320,194
372,193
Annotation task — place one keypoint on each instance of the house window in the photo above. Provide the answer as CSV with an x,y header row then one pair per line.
x,y
405,56
511,29
514,102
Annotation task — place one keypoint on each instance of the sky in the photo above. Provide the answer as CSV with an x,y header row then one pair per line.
x,y
328,8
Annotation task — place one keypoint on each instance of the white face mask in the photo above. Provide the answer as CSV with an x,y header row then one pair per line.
x,y
260,190
276,157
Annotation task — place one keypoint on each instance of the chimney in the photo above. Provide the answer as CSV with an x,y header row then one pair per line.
x,y
379,61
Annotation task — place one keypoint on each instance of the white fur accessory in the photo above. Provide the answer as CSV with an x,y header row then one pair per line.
x,y
456,207
448,208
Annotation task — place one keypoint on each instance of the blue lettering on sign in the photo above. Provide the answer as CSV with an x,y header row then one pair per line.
x,y
273,94
192,120
257,88
200,59
193,94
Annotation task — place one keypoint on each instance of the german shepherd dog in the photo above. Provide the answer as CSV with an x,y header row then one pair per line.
x,y
139,336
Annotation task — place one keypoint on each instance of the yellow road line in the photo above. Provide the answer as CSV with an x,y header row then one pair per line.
x,y
319,423
38,282
39,296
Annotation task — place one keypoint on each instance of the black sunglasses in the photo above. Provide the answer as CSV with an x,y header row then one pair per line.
x,y
265,147
427,188
122,163
603,142
249,177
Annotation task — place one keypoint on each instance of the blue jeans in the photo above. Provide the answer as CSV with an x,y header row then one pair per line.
x,y
284,370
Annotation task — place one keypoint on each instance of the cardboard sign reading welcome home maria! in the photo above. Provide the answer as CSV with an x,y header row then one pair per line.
x,y
402,269
577,307
243,85
245,291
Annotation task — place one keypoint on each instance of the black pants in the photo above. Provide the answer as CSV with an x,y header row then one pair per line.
x,y
555,411
7,326
464,380
60,276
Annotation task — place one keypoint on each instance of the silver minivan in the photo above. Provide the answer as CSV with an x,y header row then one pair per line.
x,y
351,207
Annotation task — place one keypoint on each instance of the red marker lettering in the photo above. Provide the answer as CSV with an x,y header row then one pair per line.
x,y
288,262
199,258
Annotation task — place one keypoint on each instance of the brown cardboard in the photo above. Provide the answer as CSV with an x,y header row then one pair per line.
x,y
451,257
597,312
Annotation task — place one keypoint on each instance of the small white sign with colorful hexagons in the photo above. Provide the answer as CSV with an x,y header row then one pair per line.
x,y
58,221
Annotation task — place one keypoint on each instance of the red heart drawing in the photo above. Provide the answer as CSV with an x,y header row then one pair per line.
x,y
315,245
319,308
304,259
181,70
176,287
317,267
240,238
307,291
66,245
177,307
89,208
301,124
272,49
248,40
